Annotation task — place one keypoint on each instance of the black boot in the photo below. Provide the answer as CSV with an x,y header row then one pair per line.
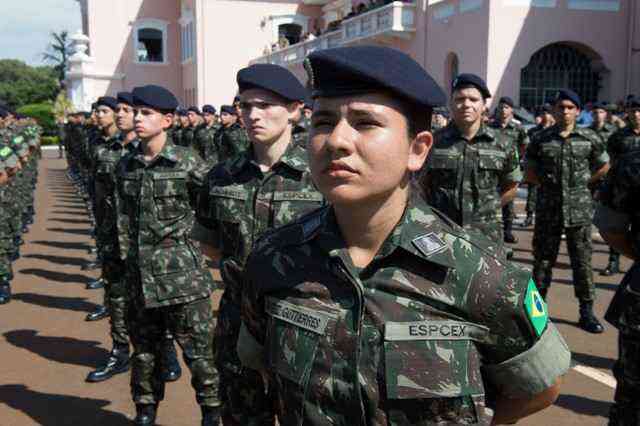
x,y
118,362
210,416
95,284
18,241
93,264
14,256
543,293
146,414
5,292
171,370
588,321
92,250
25,230
528,221
613,267
100,313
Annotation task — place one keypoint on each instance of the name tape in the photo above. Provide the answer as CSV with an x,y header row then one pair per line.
x,y
299,316
434,330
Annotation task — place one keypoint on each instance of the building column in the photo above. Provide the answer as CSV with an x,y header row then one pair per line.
x,y
79,85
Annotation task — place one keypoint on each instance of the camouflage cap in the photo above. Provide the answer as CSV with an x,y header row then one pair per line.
x,y
19,146
7,157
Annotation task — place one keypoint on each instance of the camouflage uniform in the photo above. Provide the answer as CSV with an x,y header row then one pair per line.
x,y
7,159
169,285
239,203
532,190
186,137
300,133
518,135
430,332
204,143
232,141
461,178
564,167
619,212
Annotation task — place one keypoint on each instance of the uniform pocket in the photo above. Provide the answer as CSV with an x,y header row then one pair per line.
x,y
444,168
175,272
290,205
490,166
170,195
227,204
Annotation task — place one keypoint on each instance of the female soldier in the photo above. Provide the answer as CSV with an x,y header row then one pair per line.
x,y
377,309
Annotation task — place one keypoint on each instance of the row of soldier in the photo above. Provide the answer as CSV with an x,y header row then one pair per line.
x,y
19,155
283,340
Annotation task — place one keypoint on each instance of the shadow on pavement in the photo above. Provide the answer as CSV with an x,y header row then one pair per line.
x,y
77,304
603,286
65,212
61,260
65,350
59,410
71,231
66,245
582,405
69,205
593,360
57,276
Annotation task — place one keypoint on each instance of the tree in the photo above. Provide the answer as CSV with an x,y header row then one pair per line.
x,y
58,53
21,84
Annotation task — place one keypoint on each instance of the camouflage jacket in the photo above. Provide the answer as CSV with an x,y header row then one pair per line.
x,y
622,141
205,145
463,178
239,202
426,334
107,158
516,133
156,205
604,132
187,136
300,136
232,141
175,133
564,168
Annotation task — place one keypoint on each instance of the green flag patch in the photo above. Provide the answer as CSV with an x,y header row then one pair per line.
x,y
5,152
536,308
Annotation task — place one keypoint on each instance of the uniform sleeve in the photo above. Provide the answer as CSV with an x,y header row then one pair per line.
x,y
254,320
616,201
511,172
122,218
532,157
523,140
599,156
525,353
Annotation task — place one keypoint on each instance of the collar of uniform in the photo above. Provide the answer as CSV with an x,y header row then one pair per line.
x,y
419,232
555,130
167,152
294,157
484,131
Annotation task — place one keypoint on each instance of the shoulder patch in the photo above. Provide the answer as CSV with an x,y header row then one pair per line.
x,y
536,308
429,244
5,151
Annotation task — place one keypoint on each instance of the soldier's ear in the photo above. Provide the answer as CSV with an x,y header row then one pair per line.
x,y
419,149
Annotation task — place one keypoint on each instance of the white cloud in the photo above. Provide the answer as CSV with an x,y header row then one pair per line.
x,y
26,25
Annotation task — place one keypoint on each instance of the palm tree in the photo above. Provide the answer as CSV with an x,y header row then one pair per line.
x,y
58,53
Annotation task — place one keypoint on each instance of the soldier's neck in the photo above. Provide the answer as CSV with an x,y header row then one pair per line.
x,y
268,154
469,131
566,129
129,136
110,131
151,147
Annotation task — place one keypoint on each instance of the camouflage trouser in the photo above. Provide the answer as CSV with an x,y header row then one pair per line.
x,y
192,325
6,270
546,244
115,298
532,197
626,409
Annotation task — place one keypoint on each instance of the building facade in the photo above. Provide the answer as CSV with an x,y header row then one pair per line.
x,y
525,49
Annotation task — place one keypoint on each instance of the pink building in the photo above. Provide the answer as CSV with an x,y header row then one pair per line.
x,y
523,48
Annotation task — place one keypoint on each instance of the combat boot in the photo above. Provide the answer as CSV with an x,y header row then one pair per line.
x,y
613,267
146,414
210,415
543,293
93,264
5,292
118,362
171,370
95,284
509,237
528,221
588,321
18,241
99,313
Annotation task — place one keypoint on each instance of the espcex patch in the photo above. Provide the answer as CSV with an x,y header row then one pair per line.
x,y
536,308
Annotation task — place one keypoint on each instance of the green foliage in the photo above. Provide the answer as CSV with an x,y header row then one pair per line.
x,y
21,84
49,140
58,52
43,113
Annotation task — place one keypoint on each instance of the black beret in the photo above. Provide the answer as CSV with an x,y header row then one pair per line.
x,y
599,105
443,111
568,95
236,99
94,106
86,114
194,109
181,112
125,98
471,80
208,109
156,97
633,102
507,101
546,108
3,113
354,70
229,109
273,78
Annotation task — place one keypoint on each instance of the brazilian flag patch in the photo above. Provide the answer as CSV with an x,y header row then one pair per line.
x,y
536,308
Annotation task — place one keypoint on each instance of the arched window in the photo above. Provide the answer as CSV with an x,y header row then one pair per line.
x,y
560,66
150,41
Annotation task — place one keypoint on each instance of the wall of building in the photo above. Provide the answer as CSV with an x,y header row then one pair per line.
x,y
110,29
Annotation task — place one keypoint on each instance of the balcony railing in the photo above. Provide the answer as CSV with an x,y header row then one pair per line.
x,y
396,19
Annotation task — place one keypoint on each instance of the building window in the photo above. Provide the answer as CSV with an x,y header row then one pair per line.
x,y
559,66
150,41
187,38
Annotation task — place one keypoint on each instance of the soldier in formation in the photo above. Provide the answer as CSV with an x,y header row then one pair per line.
x,y
265,187
348,310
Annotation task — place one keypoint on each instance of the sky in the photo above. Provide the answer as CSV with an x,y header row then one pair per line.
x,y
26,26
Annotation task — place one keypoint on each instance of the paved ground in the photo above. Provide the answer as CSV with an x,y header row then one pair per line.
x,y
47,349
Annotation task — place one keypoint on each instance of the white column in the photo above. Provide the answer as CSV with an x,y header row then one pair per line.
x,y
79,87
